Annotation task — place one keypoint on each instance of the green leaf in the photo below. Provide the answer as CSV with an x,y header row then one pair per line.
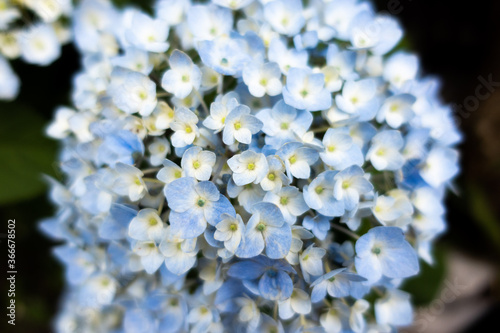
x,y
143,4
26,153
483,213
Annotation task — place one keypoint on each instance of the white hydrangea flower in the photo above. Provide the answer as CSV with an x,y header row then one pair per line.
x,y
384,153
185,127
183,77
133,92
158,149
147,34
263,79
198,163
39,45
240,125
146,226
248,167
129,182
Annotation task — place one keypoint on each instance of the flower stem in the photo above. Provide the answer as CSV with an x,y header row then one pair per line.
x,y
344,230
152,180
205,108
150,170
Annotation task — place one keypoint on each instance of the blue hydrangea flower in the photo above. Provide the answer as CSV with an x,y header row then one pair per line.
x,y
384,154
291,124
306,90
338,283
283,123
350,183
319,195
267,230
183,77
319,225
194,205
340,150
225,56
269,278
298,159
383,251
119,147
240,125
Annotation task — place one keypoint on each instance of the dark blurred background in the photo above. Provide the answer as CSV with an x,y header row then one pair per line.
x,y
456,41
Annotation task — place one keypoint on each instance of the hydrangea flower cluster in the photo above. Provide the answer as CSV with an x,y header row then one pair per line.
x,y
246,166
34,31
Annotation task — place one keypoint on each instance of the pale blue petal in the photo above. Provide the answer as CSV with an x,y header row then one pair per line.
x,y
275,285
247,270
252,123
400,262
269,213
231,289
252,245
216,209
180,264
188,224
172,319
138,321
252,286
243,178
209,237
152,262
318,292
340,287
332,207
115,226
179,60
181,194
278,241
368,267
207,190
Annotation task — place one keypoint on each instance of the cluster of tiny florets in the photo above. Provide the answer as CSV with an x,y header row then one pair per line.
x,y
33,30
246,166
